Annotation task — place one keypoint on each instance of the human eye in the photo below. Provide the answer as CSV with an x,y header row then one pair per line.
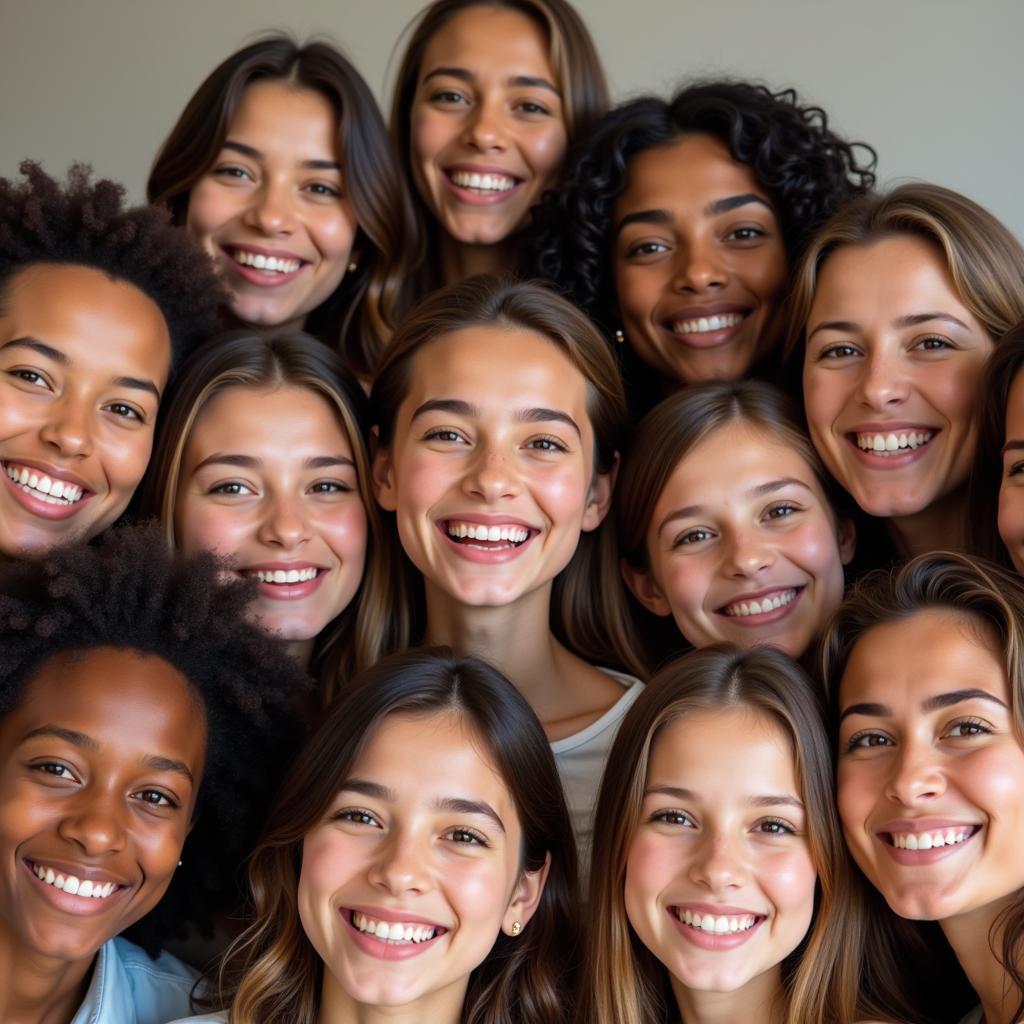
x,y
964,728
533,108
840,350
867,739
449,97
546,444
1015,469
690,537
934,343
747,233
323,190
781,510
465,836
357,816
774,827
329,487
638,250
122,410
671,816
231,172
156,798
443,434
55,768
33,377
231,488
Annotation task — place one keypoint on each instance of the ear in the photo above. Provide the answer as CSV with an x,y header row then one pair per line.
x,y
846,531
645,588
526,896
599,500
383,472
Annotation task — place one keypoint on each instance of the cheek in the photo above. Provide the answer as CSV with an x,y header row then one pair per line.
x,y
125,457
546,152
825,396
649,868
429,134
686,583
814,547
789,880
993,779
637,291
333,235
345,531
202,527
954,393
768,274
857,788
209,208
1011,515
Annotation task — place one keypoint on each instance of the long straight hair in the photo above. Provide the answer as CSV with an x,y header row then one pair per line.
x,y
361,314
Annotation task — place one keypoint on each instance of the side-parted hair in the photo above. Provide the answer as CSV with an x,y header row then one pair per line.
x,y
359,317
273,973
486,301
984,259
575,60
1004,365
624,982
371,625
980,593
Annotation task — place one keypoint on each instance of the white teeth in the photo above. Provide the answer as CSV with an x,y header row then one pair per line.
x,y
483,182
703,324
492,534
286,575
885,444
271,264
53,492
929,840
394,931
72,885
717,925
767,604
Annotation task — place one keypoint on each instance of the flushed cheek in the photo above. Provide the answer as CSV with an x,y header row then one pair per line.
x,y
209,528
649,869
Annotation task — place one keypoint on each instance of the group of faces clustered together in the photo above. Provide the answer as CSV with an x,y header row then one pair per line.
x,y
451,439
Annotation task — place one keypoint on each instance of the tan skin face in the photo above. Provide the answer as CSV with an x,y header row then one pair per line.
x,y
699,262
1011,489
83,363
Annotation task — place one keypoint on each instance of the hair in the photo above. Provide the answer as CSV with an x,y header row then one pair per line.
x,y
573,56
273,973
130,593
625,983
987,472
370,625
980,594
525,306
359,317
85,223
984,259
807,170
666,436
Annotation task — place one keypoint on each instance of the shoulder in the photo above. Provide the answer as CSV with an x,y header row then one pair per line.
x,y
212,1018
138,963
159,989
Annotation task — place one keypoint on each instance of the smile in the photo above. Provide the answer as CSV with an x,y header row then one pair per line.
x,y
74,886
768,603
44,488
270,265
706,324
395,932
482,183
487,538
284,576
931,840
893,443
722,924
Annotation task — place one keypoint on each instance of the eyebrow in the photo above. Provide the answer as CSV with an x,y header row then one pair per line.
x,y
713,209
935,703
765,800
49,352
1012,446
250,462
456,805
910,320
769,487
255,154
465,75
457,407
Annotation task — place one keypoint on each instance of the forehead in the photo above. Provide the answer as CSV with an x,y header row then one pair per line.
x,y
285,116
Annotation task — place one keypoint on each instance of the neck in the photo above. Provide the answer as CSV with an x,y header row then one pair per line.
x,y
973,937
302,650
38,989
460,260
942,526
443,1006
762,1000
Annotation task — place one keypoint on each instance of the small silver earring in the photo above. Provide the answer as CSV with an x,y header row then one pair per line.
x,y
516,928
619,336
179,863
353,267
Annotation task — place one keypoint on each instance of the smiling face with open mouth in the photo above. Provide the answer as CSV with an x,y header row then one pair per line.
x,y
100,763
930,769
414,870
83,362
719,879
699,262
272,210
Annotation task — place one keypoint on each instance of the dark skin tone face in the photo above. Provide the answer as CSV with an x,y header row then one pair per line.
x,y
100,764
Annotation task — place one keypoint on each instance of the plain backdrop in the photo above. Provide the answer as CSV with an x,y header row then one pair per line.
x,y
933,85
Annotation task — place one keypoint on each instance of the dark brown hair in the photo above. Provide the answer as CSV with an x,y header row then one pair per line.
x,y
359,317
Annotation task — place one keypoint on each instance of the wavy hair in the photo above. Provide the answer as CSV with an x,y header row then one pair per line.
x,y
359,317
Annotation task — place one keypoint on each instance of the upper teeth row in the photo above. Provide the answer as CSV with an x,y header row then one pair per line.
x,y
490,182
893,442
766,604
516,534
68,492
717,925
707,323
286,576
279,264
73,885
394,931
927,840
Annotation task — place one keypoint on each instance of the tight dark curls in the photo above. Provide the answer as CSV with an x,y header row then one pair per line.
x,y
806,168
273,973
130,593
85,223
359,317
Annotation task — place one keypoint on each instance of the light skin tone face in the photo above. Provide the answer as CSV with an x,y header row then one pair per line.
x,y
699,261
100,762
268,479
423,838
83,363
930,770
742,545
719,878
891,372
488,134
509,453
1011,489
273,209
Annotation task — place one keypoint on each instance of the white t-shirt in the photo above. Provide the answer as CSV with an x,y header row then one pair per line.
x,y
581,759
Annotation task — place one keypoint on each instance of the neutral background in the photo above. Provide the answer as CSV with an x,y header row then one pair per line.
x,y
934,85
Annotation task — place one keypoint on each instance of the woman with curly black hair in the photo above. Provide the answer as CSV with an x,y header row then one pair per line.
x,y
143,722
679,222
97,304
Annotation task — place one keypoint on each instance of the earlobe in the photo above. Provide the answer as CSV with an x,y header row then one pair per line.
x,y
599,500
383,485
645,589
526,898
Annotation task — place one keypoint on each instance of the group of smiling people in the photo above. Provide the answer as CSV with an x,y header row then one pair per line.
x,y
533,562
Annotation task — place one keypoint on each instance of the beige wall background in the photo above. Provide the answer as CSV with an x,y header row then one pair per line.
x,y
934,85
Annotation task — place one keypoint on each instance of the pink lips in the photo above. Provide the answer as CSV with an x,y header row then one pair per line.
x,y
383,950
712,941
40,508
259,278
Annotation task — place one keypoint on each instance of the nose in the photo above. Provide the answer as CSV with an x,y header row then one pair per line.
x,y
883,381
94,823
492,475
915,775
747,552
485,128
718,864
68,428
284,523
698,266
400,865
272,209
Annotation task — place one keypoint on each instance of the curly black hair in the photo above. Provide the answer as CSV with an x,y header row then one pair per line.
x,y
85,223
131,592
806,168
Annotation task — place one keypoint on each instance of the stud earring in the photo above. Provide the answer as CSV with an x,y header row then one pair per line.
x,y
619,336
353,267
516,928
179,863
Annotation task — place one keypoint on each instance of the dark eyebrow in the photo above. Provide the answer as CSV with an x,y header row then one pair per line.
x,y
533,82
138,384
1012,446
80,739
367,788
458,805
168,764
465,75
940,700
866,708
767,800
453,405
547,416
847,326
250,462
913,320
777,485
255,154
720,206
48,351
643,217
